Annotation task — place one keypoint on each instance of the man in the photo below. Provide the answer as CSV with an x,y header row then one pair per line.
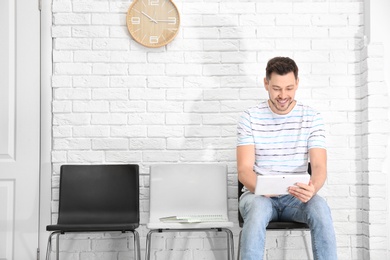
x,y
280,136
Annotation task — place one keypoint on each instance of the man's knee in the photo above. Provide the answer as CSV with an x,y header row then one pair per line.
x,y
255,206
317,209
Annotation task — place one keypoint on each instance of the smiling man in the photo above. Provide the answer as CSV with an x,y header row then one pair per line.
x,y
280,136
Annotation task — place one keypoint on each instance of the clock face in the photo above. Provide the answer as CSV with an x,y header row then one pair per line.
x,y
153,23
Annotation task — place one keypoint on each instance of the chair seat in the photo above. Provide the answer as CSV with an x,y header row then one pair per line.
x,y
283,225
162,225
287,225
92,227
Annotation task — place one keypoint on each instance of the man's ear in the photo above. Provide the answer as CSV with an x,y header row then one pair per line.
x,y
297,82
266,84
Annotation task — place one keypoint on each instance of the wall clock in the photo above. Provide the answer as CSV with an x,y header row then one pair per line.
x,y
153,23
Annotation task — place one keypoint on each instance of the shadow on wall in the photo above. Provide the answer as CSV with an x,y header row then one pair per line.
x,y
222,76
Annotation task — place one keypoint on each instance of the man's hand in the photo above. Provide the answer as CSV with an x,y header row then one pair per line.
x,y
303,192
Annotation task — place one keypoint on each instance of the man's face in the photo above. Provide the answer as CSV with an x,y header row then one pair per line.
x,y
281,90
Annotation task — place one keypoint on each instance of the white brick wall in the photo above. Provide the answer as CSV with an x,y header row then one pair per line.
x,y
115,101
375,129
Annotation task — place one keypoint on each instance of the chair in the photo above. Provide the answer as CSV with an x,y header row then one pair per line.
x,y
97,198
195,190
273,225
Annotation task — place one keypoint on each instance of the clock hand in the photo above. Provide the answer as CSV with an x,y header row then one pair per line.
x,y
172,21
149,17
168,21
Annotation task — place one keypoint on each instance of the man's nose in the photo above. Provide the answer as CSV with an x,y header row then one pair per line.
x,y
282,94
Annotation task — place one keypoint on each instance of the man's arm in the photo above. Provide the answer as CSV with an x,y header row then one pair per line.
x,y
245,163
318,160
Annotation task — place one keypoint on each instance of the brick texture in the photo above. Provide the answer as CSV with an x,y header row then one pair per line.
x,y
115,101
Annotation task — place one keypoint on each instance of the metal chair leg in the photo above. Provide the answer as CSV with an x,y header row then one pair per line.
x,y
239,246
49,245
149,244
137,247
58,246
230,243
229,239
48,249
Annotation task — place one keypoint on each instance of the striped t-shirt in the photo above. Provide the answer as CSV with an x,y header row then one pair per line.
x,y
281,142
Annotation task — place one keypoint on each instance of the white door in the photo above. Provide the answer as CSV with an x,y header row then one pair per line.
x,y
19,128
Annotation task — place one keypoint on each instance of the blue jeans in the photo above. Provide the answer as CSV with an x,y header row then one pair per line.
x,y
258,211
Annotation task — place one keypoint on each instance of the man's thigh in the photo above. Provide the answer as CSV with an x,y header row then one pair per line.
x,y
259,207
295,210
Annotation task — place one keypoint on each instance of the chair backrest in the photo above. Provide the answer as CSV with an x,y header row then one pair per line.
x,y
241,186
187,189
99,194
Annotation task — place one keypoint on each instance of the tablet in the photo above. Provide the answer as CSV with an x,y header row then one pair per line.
x,y
278,184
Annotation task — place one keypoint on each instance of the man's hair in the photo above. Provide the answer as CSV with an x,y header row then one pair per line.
x,y
281,66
